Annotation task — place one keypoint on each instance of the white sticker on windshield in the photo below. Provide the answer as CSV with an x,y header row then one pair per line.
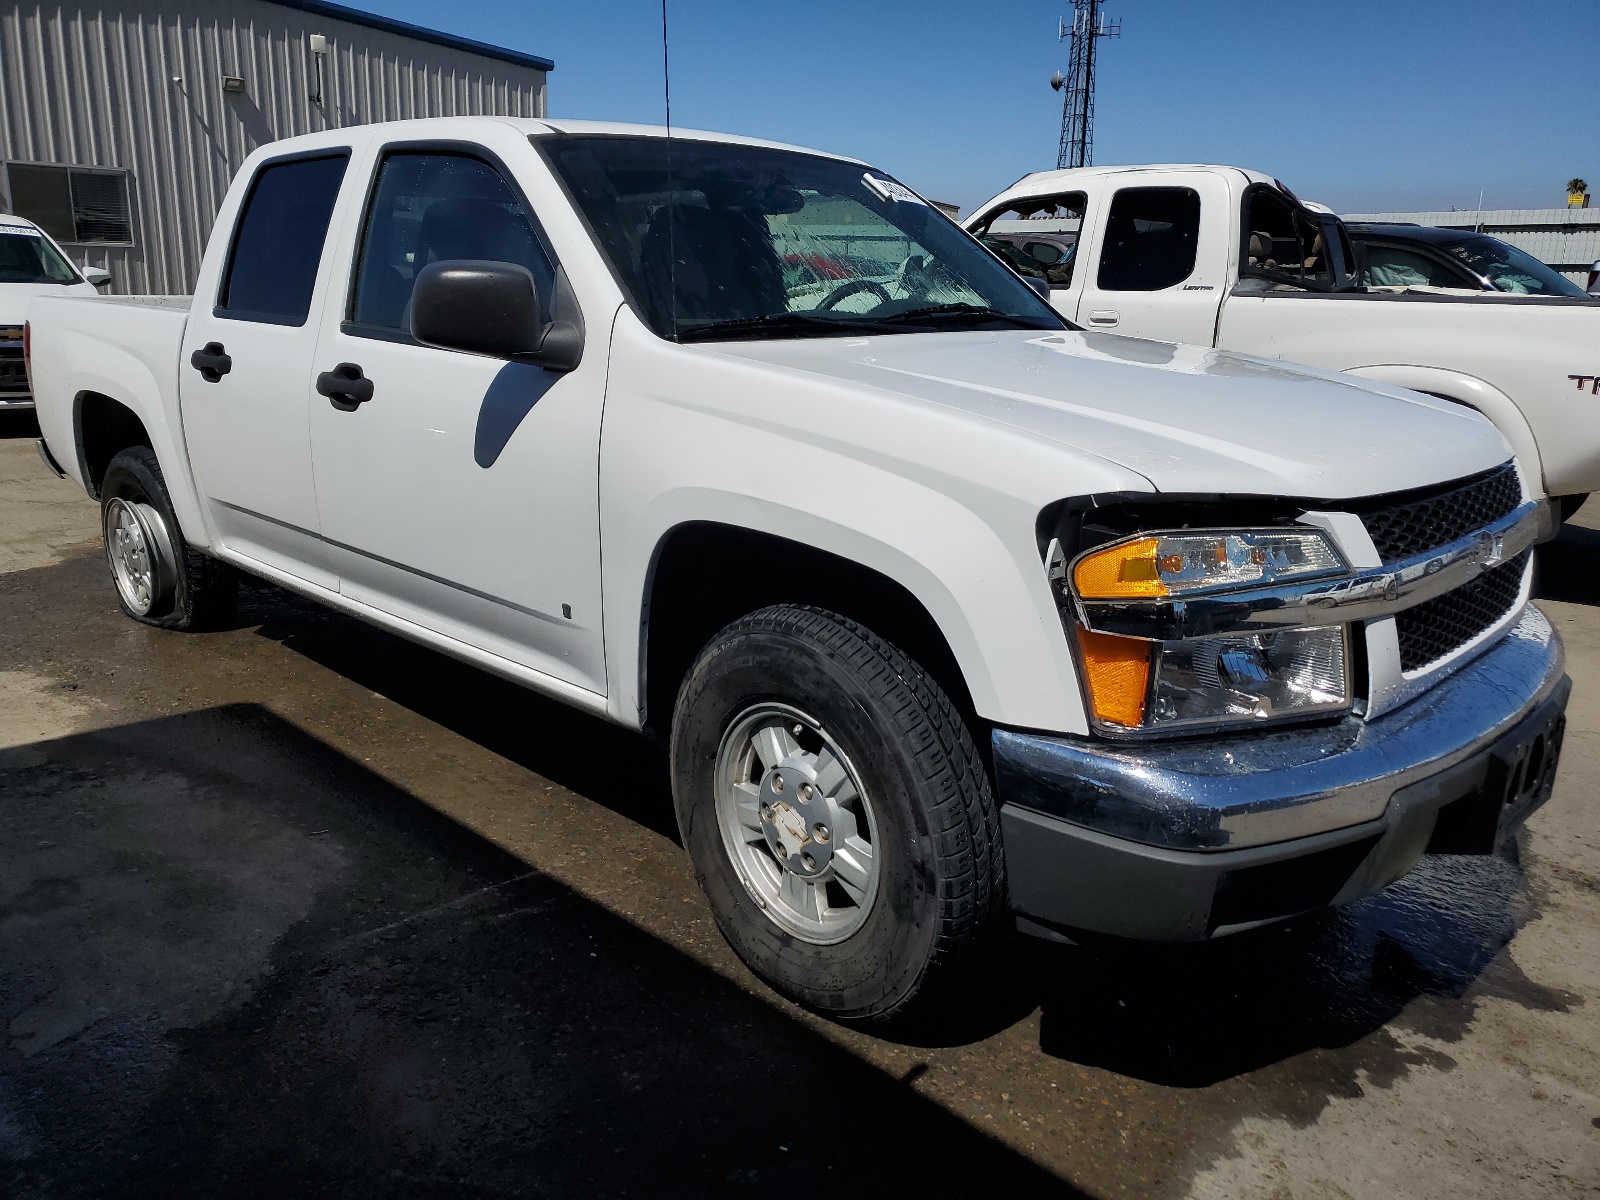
x,y
19,231
888,189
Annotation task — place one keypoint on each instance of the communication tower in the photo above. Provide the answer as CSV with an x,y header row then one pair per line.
x,y
1088,26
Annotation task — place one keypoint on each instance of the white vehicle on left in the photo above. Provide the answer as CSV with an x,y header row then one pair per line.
x,y
31,264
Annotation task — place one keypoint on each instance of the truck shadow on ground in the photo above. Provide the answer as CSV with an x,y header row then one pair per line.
x,y
235,962
18,425
1177,1016
1419,955
1568,567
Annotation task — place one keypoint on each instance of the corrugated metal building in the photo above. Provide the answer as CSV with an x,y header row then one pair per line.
x,y
1567,239
122,123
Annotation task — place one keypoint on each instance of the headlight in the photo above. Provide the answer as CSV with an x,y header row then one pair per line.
x,y
1235,679
1136,685
1175,564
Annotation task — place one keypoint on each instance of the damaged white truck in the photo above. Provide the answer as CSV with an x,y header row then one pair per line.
x,y
949,614
1225,257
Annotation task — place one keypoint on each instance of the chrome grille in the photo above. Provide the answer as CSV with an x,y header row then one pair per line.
x,y
13,374
1415,522
1434,628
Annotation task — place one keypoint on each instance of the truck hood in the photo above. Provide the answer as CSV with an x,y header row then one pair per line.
x,y
1186,418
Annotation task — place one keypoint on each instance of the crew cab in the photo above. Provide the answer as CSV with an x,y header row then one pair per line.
x,y
31,264
1225,257
950,615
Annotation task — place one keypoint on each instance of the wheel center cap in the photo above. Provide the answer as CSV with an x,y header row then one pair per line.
x,y
790,827
794,817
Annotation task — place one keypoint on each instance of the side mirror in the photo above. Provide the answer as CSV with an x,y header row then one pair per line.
x,y
1594,280
1038,284
489,308
98,276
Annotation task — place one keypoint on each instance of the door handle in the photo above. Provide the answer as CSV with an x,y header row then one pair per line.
x,y
346,386
212,361
1104,316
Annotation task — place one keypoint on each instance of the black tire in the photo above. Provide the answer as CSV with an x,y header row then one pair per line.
x,y
941,883
193,591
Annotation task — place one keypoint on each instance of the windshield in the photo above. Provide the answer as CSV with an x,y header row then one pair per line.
x,y
715,241
27,257
1509,269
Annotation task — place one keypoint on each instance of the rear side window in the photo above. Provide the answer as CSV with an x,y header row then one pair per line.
x,y
430,207
277,245
1151,234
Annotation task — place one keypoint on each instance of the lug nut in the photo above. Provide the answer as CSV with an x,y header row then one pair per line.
x,y
766,811
805,791
777,783
811,863
820,832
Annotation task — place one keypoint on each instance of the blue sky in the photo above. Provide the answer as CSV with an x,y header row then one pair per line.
x,y
1409,104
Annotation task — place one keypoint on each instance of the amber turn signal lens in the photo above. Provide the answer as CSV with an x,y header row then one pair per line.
x,y
1124,571
1118,670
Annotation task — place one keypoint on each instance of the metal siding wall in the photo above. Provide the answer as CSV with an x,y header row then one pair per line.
x,y
139,86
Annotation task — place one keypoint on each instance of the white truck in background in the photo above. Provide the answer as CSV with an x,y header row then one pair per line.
x,y
31,264
948,613
1226,257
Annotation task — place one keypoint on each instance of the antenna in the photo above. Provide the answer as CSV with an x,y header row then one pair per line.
x,y
672,200
1089,25
666,67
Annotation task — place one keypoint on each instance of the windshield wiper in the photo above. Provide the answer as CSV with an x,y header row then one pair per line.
x,y
938,313
797,324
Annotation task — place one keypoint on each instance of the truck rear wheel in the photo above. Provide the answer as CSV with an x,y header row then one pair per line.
x,y
160,579
837,813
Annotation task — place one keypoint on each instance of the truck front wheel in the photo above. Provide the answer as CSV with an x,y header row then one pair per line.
x,y
160,579
837,813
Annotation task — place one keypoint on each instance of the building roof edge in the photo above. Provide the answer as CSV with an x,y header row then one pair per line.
x,y
356,16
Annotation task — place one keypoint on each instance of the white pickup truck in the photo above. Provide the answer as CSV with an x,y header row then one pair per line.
x,y
1219,256
948,614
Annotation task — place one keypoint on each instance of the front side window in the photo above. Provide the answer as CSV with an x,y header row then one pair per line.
x,y
1151,237
1284,246
714,241
27,257
1037,236
277,243
429,207
1508,268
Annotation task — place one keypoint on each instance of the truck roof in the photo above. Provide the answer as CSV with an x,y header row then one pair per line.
x,y
1049,180
556,127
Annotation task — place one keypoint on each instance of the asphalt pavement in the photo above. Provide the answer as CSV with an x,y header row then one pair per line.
x,y
302,909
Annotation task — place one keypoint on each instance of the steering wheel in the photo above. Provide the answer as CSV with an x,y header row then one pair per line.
x,y
845,290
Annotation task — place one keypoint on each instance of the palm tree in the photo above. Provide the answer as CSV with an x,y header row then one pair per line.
x,y
1576,187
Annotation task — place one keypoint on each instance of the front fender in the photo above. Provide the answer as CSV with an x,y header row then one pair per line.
x,y
946,507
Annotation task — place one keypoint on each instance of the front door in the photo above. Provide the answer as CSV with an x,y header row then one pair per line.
x,y
1159,264
245,371
463,495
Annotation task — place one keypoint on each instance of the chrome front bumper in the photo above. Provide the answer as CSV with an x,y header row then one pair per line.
x,y
1191,840
1254,788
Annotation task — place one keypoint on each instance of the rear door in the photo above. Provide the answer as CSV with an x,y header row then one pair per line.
x,y
463,496
1157,259
245,399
